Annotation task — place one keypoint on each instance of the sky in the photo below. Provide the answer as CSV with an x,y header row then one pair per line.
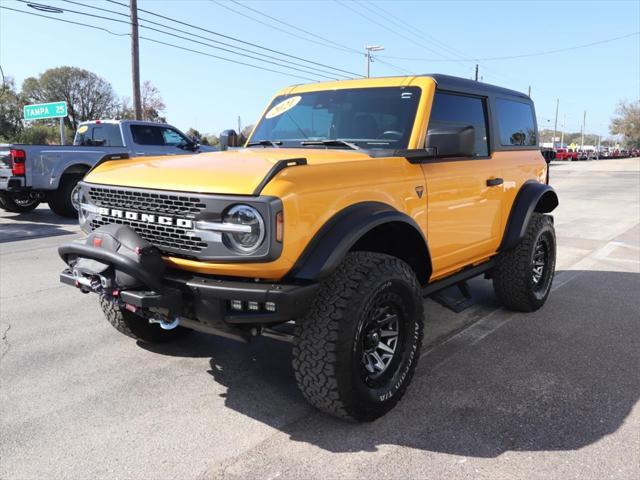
x,y
418,37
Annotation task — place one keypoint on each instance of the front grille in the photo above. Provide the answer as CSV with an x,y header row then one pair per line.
x,y
147,202
159,235
169,239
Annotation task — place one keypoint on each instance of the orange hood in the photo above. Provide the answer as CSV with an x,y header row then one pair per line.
x,y
234,172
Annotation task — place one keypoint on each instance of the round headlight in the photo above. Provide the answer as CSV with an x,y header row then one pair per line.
x,y
247,240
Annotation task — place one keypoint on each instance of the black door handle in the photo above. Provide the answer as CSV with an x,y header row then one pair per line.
x,y
494,182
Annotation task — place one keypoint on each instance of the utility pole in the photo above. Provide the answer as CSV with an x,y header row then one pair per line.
x,y
239,125
135,60
564,122
368,49
584,120
476,72
555,125
529,94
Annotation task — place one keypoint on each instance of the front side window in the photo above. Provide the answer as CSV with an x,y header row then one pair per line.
x,y
369,118
516,124
459,111
157,135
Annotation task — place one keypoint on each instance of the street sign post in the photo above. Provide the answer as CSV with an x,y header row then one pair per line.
x,y
47,110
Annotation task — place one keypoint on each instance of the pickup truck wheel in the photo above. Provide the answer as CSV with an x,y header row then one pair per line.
x,y
63,201
522,279
358,346
137,327
18,203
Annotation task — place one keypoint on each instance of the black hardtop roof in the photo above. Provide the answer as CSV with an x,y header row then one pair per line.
x,y
465,85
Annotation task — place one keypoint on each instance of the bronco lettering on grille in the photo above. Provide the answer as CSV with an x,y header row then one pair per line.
x,y
146,217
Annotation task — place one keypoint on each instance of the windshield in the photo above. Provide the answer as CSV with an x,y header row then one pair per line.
x,y
366,117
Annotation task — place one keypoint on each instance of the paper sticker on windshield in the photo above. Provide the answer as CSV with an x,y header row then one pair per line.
x,y
283,106
83,128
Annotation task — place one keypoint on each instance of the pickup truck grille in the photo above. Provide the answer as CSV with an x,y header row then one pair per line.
x,y
141,201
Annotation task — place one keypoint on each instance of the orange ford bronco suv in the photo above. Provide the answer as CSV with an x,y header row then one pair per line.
x,y
350,202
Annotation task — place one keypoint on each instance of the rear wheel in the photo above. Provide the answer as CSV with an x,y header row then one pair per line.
x,y
137,327
359,344
18,202
64,201
522,280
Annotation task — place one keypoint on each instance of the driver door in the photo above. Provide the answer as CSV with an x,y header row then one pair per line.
x,y
464,195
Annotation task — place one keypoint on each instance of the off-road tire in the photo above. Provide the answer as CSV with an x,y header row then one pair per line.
x,y
512,278
327,362
8,204
137,327
60,201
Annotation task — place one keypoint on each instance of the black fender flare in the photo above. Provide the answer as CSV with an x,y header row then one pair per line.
x,y
340,233
532,197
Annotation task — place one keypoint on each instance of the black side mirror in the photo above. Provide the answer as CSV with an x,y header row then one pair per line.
x,y
228,138
548,154
452,141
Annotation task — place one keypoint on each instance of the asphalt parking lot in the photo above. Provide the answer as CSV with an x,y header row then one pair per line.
x,y
553,394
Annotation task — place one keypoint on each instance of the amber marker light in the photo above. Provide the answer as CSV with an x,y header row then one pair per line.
x,y
279,226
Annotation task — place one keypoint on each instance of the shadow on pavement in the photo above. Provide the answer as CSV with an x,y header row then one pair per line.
x,y
558,379
41,216
29,231
38,223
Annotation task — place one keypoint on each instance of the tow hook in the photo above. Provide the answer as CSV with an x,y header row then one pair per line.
x,y
164,324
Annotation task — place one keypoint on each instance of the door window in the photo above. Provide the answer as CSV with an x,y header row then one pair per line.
x,y
157,135
459,111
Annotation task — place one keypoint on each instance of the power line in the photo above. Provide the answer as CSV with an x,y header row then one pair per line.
x,y
228,37
335,45
511,57
223,58
235,47
382,58
277,63
204,38
161,42
390,17
95,27
325,41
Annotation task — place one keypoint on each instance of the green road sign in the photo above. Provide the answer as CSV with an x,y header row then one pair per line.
x,y
45,110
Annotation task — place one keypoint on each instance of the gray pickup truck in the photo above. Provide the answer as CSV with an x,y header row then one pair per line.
x,y
31,174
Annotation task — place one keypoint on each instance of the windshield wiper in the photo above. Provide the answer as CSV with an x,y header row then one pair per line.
x,y
265,143
333,142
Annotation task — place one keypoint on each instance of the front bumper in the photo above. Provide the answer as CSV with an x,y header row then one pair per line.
x,y
209,299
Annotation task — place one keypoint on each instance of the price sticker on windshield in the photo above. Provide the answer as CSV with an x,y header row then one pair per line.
x,y
283,106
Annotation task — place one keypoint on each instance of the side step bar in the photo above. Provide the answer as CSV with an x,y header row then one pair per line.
x,y
457,278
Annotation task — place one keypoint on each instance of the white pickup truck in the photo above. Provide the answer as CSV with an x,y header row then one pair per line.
x,y
30,174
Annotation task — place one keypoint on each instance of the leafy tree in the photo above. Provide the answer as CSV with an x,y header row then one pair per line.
x,y
211,139
123,110
152,104
627,123
202,138
193,133
39,135
88,95
10,111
